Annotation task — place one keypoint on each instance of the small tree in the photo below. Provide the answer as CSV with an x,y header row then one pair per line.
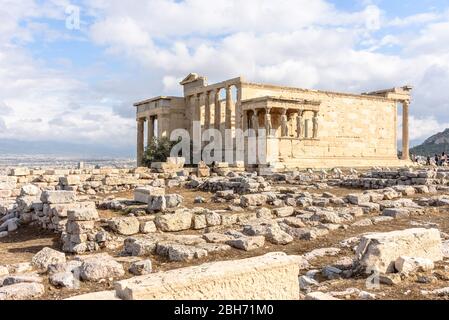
x,y
158,150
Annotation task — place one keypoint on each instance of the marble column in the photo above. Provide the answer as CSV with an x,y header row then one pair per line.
x,y
150,128
228,119
140,141
306,128
207,120
405,133
217,113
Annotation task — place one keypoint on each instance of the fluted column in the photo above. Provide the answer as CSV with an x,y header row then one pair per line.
x,y
140,141
207,120
228,119
150,128
217,111
405,133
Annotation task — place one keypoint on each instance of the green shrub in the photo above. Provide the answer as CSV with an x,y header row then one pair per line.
x,y
158,150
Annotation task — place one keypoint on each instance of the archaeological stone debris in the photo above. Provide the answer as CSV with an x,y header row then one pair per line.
x,y
142,233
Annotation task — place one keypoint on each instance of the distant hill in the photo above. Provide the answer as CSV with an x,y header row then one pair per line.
x,y
9,146
436,144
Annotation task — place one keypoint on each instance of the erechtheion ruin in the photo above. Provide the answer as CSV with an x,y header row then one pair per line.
x,y
306,128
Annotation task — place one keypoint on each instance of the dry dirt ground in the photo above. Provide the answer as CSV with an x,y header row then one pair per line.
x,y
28,240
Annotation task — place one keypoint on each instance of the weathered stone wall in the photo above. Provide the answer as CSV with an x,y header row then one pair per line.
x,y
353,130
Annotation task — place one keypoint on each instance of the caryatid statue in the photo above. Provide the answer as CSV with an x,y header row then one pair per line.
x,y
284,123
299,124
255,121
315,125
268,125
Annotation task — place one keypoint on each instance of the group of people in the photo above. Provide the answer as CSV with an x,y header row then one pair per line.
x,y
439,160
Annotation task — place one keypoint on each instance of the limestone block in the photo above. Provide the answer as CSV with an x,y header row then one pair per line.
x,y
20,171
126,226
247,243
71,180
83,214
46,257
180,220
142,195
379,251
100,267
253,200
58,197
22,291
147,227
412,264
359,198
275,276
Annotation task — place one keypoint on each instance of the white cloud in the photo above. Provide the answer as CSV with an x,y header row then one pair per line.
x,y
293,42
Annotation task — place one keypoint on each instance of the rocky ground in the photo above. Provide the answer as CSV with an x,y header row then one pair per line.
x,y
60,242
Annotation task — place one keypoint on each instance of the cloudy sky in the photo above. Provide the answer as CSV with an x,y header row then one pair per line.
x,y
62,83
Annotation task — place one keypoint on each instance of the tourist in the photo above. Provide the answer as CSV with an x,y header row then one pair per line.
x,y
437,160
428,161
443,159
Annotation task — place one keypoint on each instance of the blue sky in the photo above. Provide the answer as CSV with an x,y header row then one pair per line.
x,y
78,85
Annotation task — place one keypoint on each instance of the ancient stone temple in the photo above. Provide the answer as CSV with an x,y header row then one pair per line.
x,y
304,128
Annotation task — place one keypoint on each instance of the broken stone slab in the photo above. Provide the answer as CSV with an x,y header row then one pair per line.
x,y
359,198
178,221
179,252
79,227
29,190
64,280
247,243
390,279
70,180
274,275
362,223
305,283
140,246
99,267
396,213
19,278
321,252
284,211
82,214
147,226
22,291
214,237
58,196
46,257
379,251
126,226
142,195
213,247
253,200
412,264
140,268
